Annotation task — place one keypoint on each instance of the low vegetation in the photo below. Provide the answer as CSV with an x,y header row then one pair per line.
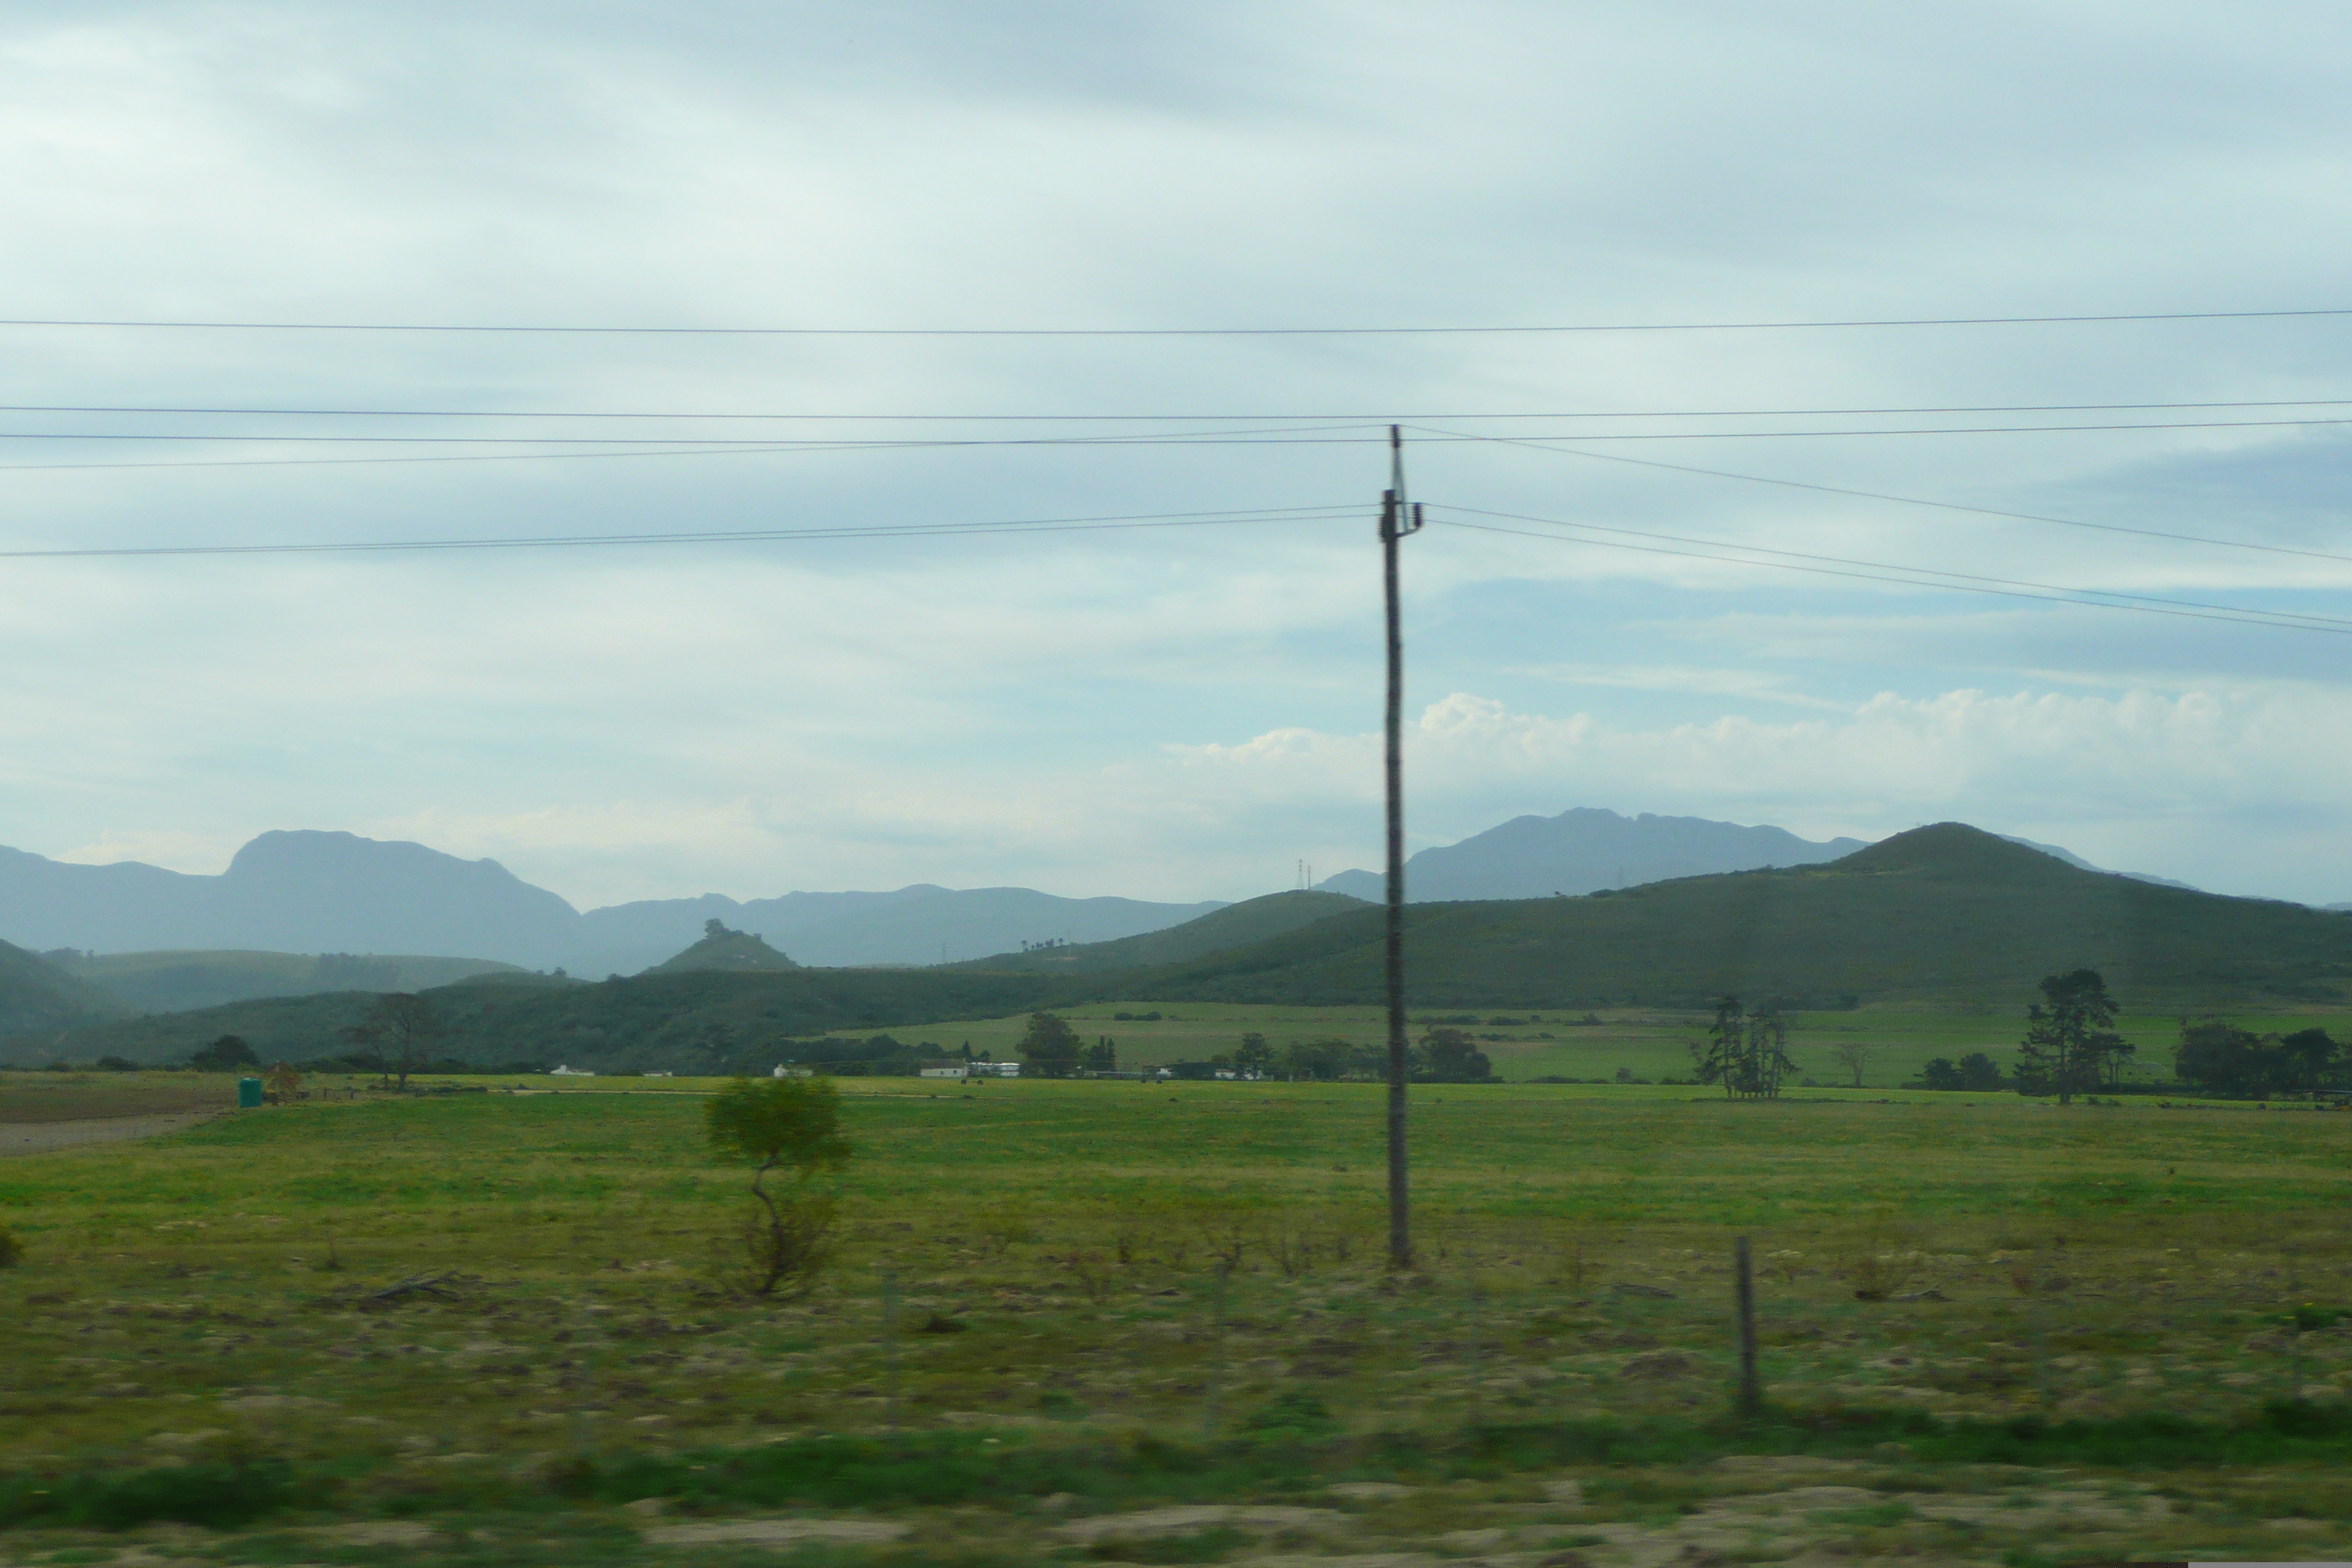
x,y
1990,1326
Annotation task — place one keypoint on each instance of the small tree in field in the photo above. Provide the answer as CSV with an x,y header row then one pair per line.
x,y
226,1054
792,1123
1254,1056
1050,1047
401,1027
2067,1035
1854,1056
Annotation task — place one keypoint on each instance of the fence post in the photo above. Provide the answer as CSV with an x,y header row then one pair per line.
x,y
1217,1341
1751,1397
1477,1357
890,1348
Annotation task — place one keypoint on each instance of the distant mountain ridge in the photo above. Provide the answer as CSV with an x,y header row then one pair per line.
x,y
317,892
1584,849
1946,914
293,893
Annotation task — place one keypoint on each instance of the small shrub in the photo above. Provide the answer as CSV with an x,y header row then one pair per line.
x,y
219,1496
784,1248
793,1123
12,1249
1091,1274
1879,1274
1212,1545
1291,1415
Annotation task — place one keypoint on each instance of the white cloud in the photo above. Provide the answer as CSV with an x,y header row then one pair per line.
x,y
2171,783
1080,713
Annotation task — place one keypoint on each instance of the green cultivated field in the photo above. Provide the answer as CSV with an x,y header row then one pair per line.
x,y
1651,1043
2093,1333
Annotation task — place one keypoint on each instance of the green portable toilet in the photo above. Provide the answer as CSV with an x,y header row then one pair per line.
x,y
249,1093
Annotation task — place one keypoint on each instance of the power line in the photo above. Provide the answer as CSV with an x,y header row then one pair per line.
x,y
1214,437
1917,576
1285,435
1538,444
1389,416
690,449
576,331
715,536
1944,430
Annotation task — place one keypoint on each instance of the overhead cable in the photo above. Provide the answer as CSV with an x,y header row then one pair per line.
x,y
1383,416
1539,444
711,536
529,329
1910,576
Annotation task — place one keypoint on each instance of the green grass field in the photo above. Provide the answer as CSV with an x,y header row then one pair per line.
x,y
1650,1043
1057,1308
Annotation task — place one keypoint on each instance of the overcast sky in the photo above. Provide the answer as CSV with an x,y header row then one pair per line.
x,y
1185,711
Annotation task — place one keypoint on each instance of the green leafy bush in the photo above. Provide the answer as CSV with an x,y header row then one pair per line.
x,y
219,1496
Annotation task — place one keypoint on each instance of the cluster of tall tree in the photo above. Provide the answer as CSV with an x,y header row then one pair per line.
x,y
1975,1073
2222,1059
2070,1046
1747,1053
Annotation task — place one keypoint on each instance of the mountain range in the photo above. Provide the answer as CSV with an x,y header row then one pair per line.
x,y
204,939
1584,849
1946,914
307,892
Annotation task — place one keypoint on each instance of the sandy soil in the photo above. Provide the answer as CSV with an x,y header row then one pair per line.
x,y
40,1137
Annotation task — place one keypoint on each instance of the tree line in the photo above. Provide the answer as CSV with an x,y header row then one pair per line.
x,y
2071,1046
1050,1047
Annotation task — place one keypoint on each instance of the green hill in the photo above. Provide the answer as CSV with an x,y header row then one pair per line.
x,y
36,995
706,1020
1235,926
1946,914
739,952
174,982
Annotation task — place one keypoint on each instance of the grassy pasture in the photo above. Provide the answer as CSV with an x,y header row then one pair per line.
x,y
195,1306
1651,1043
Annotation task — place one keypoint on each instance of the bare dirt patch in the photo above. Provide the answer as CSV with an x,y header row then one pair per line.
x,y
41,1137
41,1096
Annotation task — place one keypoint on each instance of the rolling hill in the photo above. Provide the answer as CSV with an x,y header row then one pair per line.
x,y
1235,926
36,996
176,982
702,1020
737,951
1946,913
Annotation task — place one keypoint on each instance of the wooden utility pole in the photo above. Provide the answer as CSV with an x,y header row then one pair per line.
x,y
1397,519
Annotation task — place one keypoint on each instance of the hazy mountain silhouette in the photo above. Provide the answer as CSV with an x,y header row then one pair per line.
x,y
313,892
310,892
1586,849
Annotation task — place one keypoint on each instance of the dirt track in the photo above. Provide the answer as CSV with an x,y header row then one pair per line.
x,y
40,1137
